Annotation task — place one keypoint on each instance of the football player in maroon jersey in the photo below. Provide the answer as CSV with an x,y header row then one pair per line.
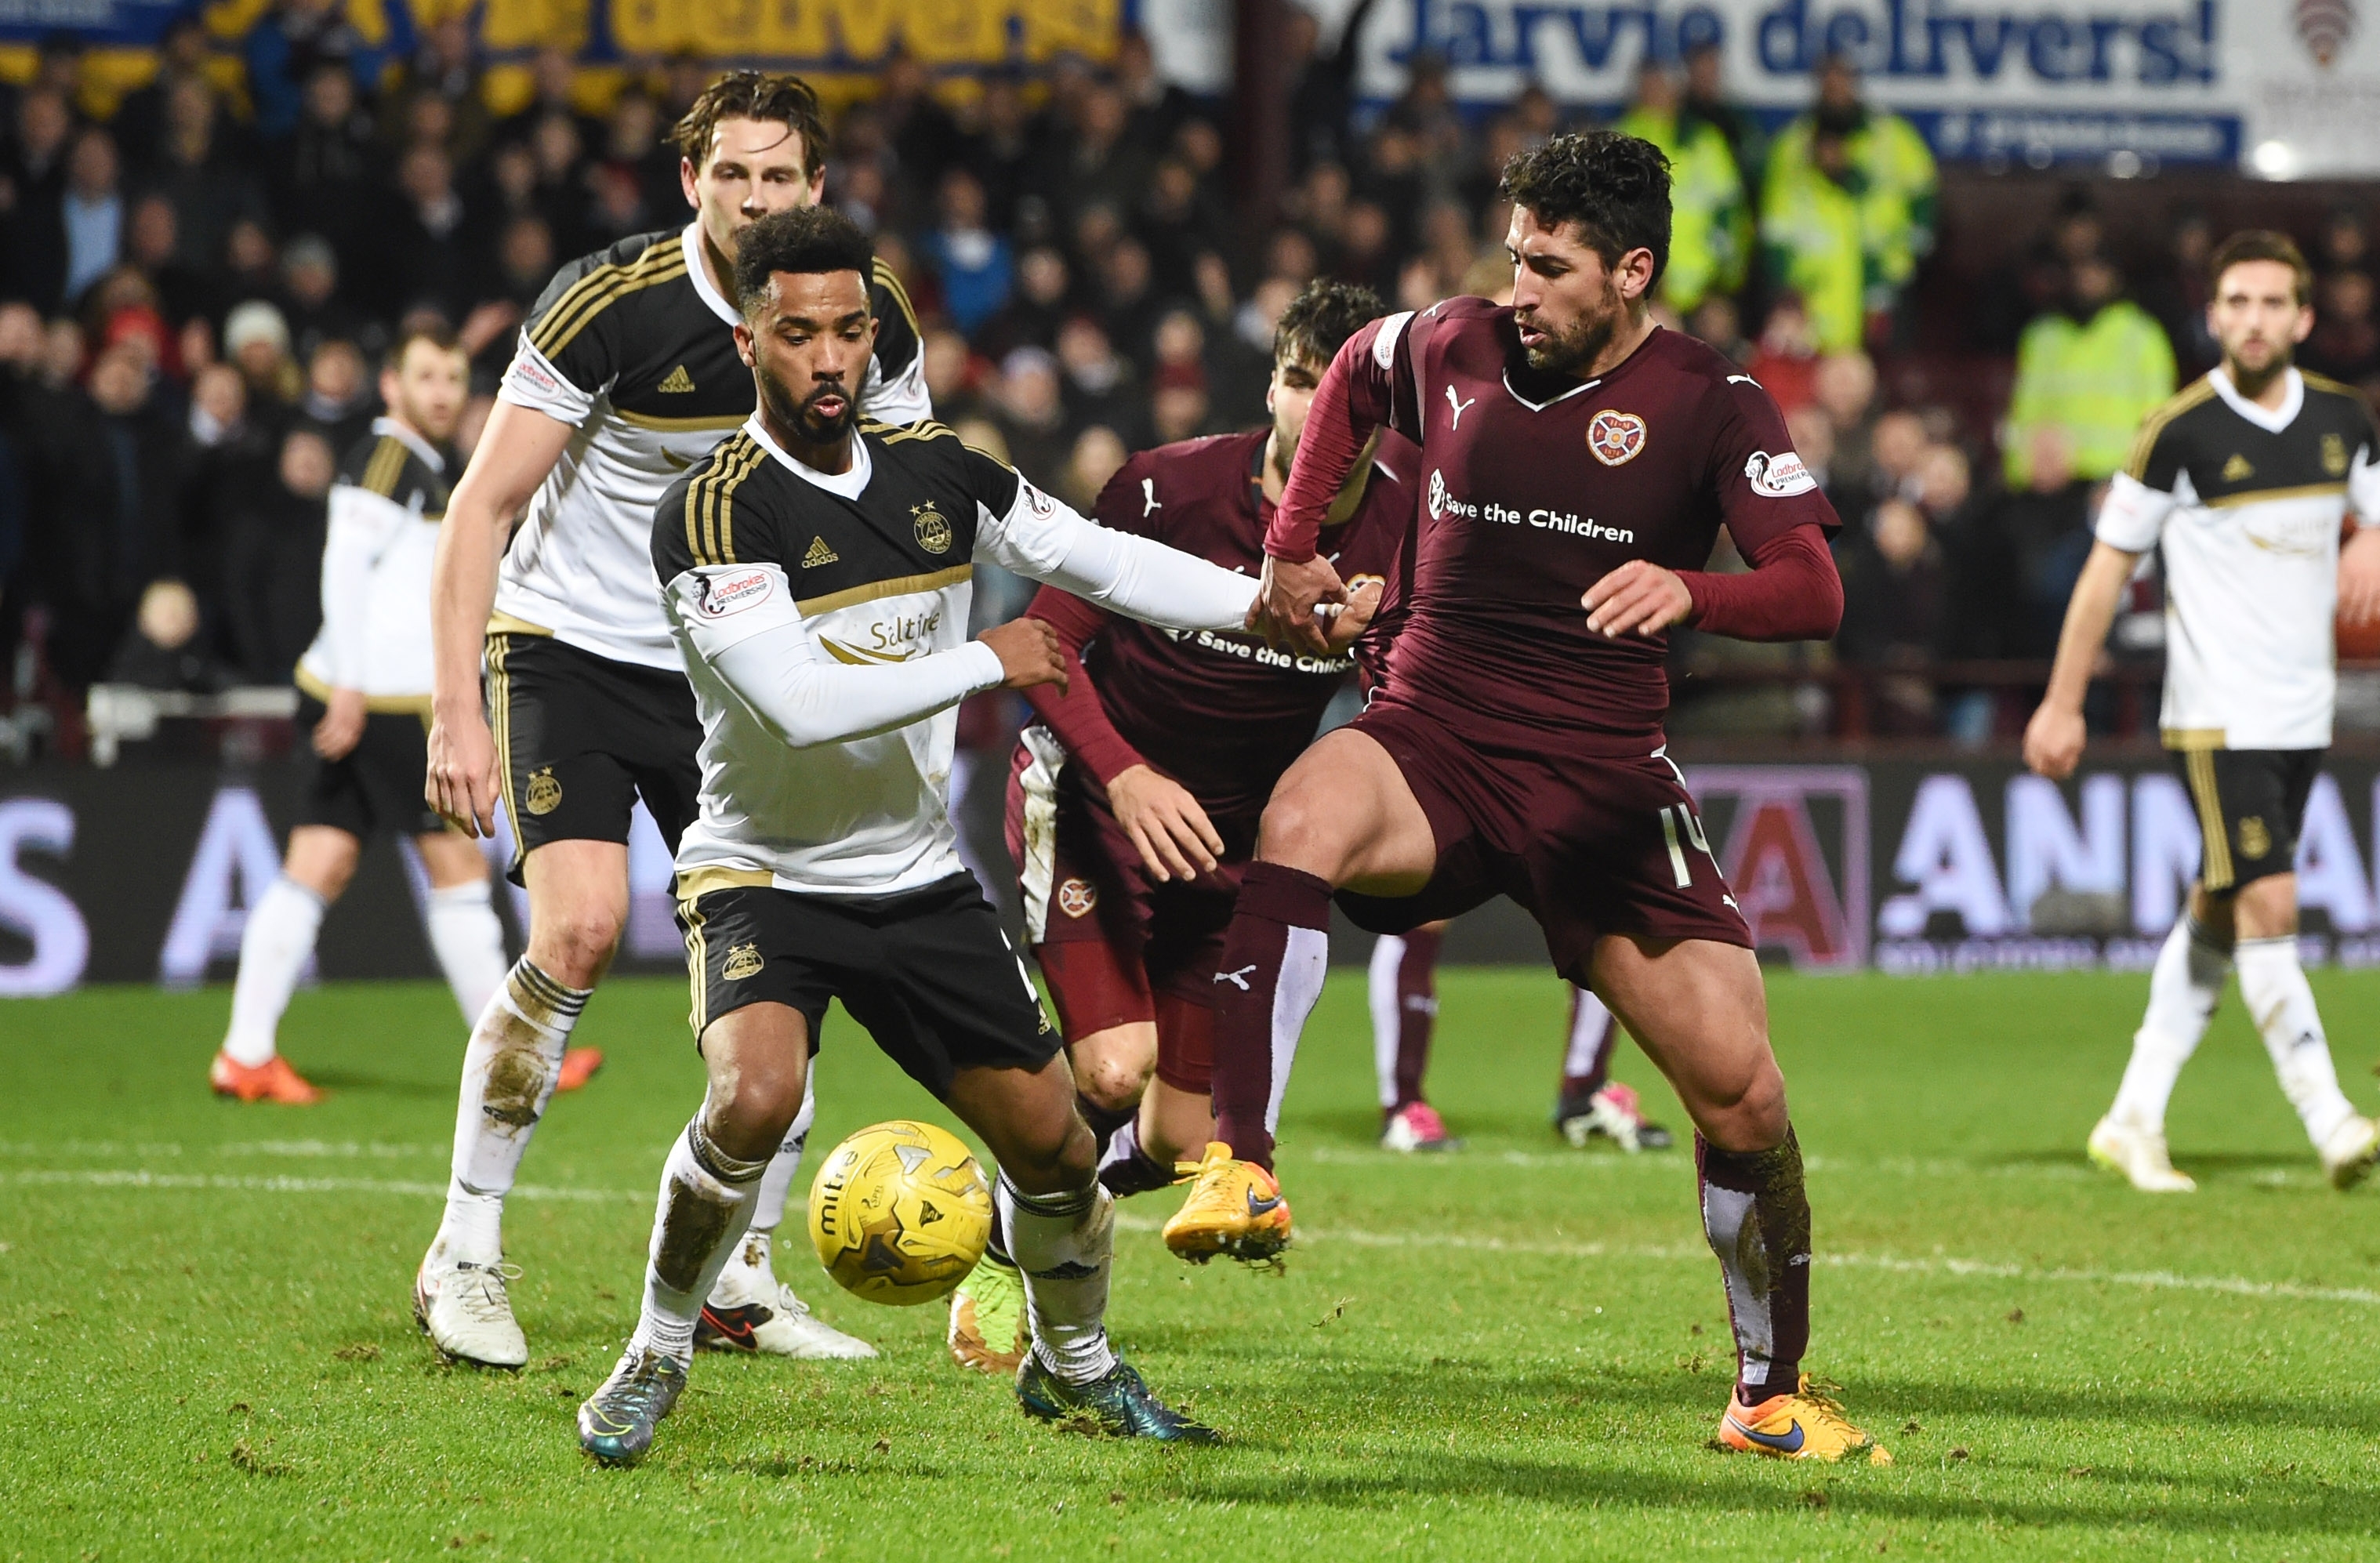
x,y
1577,462
1134,799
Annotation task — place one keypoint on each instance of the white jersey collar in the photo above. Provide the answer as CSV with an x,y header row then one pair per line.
x,y
388,427
849,485
2292,400
691,242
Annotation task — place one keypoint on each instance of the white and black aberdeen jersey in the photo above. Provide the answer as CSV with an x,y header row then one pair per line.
x,y
2246,507
824,624
633,345
383,533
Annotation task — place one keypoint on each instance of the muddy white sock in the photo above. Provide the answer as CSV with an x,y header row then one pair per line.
x,y
2274,988
273,951
469,944
707,1197
2183,988
509,1068
1063,1243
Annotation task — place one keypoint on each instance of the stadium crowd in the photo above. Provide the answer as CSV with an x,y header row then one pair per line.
x,y
196,286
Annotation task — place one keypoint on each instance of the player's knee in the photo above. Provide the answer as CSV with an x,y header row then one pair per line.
x,y
749,1110
1114,1084
575,946
1300,829
1058,1153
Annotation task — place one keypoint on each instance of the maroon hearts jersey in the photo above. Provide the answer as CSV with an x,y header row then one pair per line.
x,y
1225,714
1535,486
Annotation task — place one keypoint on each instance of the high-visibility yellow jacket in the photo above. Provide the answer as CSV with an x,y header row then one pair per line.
x,y
2095,379
1810,228
1710,222
1897,181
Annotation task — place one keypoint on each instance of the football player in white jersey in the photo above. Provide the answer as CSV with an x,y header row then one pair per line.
x,y
626,376
364,695
818,571
2243,483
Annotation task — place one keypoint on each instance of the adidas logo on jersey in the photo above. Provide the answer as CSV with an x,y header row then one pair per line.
x,y
819,555
678,382
2237,469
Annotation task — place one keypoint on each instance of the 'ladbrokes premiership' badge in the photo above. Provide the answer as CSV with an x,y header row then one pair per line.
x,y
1615,437
933,532
544,792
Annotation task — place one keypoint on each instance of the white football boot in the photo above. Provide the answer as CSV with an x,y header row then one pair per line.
x,y
467,1313
2348,1155
2140,1155
751,1310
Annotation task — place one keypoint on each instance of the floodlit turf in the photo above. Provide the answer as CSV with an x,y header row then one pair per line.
x,y
1515,1351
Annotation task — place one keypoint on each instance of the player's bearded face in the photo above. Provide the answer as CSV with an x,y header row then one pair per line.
x,y
808,350
2256,317
1291,396
1566,302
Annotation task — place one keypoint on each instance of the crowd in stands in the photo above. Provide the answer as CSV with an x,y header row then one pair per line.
x,y
195,290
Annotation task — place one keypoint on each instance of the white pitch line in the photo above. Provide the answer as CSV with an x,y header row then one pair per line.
x,y
2153,1280
133,1178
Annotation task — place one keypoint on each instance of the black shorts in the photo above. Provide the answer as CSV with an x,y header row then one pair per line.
x,y
376,786
2251,803
580,737
927,972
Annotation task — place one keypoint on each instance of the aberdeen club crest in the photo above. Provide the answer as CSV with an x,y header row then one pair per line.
x,y
933,532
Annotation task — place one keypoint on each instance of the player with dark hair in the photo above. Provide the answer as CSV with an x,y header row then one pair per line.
x,y
1133,799
626,376
1578,461
817,571
2242,484
364,688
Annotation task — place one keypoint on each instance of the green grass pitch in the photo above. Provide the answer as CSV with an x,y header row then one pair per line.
x,y
1515,1351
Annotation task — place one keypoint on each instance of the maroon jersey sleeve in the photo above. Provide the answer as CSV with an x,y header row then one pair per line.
x,y
1764,489
1791,592
1358,395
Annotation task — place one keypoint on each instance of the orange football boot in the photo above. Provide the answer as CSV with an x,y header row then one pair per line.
x,y
1234,1209
578,1066
273,1080
1807,1425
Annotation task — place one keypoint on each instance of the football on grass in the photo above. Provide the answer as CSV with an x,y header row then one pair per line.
x,y
900,1213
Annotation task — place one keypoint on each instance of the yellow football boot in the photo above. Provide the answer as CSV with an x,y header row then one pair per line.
x,y
1234,1209
988,1329
1804,1425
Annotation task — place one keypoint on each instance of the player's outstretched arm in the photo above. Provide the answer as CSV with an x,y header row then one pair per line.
x,y
1042,538
741,621
1353,401
514,454
2053,739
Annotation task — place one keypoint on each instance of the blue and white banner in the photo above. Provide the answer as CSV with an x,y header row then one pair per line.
x,y
2286,89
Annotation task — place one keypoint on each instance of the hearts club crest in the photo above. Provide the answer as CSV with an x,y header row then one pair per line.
x,y
1615,437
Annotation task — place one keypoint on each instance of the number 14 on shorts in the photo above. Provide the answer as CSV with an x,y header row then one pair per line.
x,y
1678,821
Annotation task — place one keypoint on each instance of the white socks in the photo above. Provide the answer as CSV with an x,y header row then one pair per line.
x,y
2274,988
1062,1243
509,1069
1387,1012
273,951
777,1183
468,942
2183,988
1590,1031
707,1197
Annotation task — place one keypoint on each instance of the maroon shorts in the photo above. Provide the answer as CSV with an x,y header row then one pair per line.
x,y
1084,886
1590,847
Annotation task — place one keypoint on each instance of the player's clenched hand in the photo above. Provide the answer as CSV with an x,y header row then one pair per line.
x,y
1175,839
462,784
1639,598
341,727
2053,740
2359,577
1028,653
1354,616
1284,612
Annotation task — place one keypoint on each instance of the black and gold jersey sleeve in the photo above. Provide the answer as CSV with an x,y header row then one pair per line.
x,y
716,514
992,482
387,467
576,324
899,342
2161,451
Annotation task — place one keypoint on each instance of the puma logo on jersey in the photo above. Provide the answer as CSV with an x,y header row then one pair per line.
x,y
678,382
1148,501
2237,469
1455,420
819,555
1238,979
1741,380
